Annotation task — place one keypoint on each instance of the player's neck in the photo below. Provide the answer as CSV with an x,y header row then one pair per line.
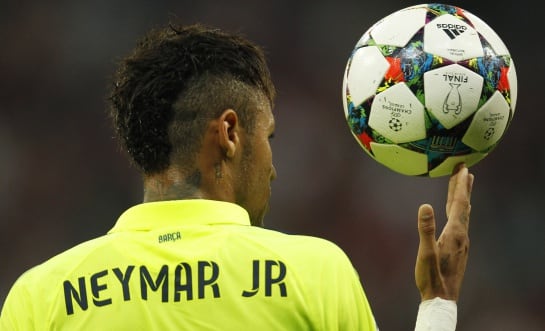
x,y
171,185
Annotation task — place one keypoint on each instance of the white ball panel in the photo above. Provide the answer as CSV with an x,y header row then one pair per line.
x,y
488,124
398,115
400,159
398,28
447,166
366,72
488,33
452,93
513,85
452,38
364,38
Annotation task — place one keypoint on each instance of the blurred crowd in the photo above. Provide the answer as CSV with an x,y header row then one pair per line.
x,y
63,178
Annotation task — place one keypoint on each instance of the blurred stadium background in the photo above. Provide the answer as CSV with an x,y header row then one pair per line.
x,y
63,179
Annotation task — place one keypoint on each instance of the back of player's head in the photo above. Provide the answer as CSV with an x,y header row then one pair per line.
x,y
174,82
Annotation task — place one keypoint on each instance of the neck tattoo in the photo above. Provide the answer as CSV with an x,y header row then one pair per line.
x,y
219,174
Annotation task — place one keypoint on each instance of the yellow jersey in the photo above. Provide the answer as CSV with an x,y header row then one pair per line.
x,y
191,265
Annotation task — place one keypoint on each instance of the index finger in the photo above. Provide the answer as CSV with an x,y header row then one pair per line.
x,y
458,200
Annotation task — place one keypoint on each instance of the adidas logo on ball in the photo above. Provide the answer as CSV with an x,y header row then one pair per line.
x,y
452,30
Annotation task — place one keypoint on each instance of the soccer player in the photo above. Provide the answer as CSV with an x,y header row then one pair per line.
x,y
192,107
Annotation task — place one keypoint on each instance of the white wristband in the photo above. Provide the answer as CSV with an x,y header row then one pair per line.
x,y
436,315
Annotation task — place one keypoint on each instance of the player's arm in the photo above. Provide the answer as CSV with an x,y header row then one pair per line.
x,y
441,263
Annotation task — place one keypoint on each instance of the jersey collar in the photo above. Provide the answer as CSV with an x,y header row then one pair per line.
x,y
153,215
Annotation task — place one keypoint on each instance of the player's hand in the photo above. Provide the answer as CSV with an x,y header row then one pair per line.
x,y
441,263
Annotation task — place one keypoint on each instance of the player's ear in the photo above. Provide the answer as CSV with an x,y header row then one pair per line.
x,y
228,135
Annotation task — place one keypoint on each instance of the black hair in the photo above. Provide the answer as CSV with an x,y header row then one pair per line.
x,y
176,80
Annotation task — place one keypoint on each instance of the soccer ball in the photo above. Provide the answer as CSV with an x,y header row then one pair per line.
x,y
428,87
